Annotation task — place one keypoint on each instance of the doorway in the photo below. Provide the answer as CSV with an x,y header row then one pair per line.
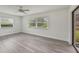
x,y
75,28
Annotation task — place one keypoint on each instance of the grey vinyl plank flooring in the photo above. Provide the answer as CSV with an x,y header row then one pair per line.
x,y
26,43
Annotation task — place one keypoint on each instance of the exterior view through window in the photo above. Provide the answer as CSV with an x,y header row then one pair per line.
x,y
6,22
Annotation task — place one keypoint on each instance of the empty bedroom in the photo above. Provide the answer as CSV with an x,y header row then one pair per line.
x,y
36,29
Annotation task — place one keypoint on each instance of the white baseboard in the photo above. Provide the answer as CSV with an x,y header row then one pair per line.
x,y
46,37
9,33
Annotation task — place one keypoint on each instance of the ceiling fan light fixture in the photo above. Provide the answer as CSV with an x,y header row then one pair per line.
x,y
22,10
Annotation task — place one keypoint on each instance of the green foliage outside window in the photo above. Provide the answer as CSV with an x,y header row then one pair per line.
x,y
42,25
77,35
32,24
6,23
39,22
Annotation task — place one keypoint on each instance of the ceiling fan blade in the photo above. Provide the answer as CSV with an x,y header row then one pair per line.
x,y
27,10
24,12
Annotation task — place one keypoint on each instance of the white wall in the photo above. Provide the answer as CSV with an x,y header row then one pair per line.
x,y
70,23
58,24
17,25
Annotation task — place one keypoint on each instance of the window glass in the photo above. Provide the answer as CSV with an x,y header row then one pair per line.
x,y
6,22
39,22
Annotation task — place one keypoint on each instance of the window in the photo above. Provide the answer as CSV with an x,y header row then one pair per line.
x,y
39,22
32,24
6,22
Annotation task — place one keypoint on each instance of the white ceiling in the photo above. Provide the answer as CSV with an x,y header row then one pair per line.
x,y
13,9
77,11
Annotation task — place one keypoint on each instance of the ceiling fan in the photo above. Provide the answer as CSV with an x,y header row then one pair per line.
x,y
22,10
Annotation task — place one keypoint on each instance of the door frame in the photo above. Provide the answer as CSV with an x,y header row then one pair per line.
x,y
73,28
